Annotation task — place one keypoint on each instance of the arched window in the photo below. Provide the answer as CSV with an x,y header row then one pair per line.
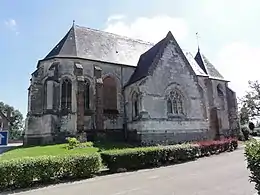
x,y
66,91
86,95
109,94
175,103
135,100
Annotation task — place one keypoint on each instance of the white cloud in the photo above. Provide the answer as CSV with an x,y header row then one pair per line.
x,y
149,29
12,25
239,62
115,17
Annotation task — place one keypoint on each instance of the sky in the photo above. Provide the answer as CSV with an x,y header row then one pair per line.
x,y
228,34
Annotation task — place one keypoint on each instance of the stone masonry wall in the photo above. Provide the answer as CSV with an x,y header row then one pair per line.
x,y
222,112
172,72
37,124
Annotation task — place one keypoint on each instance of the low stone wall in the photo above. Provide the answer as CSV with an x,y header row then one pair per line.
x,y
166,137
115,135
37,139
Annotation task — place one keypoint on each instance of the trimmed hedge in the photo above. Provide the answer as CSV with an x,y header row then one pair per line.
x,y
22,173
138,158
252,154
214,147
146,157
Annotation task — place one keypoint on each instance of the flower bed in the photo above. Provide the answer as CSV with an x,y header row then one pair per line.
x,y
214,147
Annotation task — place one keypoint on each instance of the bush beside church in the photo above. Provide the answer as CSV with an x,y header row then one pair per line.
x,y
25,172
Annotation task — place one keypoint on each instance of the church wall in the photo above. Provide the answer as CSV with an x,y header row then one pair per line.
x,y
158,131
173,73
121,74
68,123
234,123
222,106
39,129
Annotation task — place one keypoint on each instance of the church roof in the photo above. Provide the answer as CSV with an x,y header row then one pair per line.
x,y
147,59
97,45
197,69
207,67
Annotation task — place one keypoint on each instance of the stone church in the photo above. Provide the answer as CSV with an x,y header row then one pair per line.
x,y
96,82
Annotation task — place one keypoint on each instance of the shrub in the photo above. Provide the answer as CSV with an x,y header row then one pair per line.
x,y
245,132
214,147
137,158
72,142
87,144
252,153
23,172
251,126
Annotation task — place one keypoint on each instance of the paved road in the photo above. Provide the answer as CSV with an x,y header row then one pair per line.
x,y
222,174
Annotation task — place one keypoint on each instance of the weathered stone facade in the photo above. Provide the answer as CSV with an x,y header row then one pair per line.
x,y
88,85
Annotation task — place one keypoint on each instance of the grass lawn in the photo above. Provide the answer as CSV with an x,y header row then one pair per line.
x,y
59,149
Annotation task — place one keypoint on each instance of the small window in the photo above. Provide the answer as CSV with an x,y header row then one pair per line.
x,y
86,95
66,91
135,100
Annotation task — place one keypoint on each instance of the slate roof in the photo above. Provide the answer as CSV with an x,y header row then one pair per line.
x,y
147,59
197,69
98,45
207,67
144,63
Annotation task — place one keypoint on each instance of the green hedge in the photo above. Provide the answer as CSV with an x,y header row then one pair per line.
x,y
21,173
137,158
146,157
252,153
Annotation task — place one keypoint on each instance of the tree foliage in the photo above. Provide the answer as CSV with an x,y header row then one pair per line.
x,y
16,120
250,103
251,126
244,115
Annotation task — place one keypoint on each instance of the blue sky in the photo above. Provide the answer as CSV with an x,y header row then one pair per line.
x,y
228,33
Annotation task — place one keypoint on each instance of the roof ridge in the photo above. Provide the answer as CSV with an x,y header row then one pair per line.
x,y
117,35
74,32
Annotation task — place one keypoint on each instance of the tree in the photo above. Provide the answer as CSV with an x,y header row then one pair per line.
x,y
16,121
244,115
251,101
